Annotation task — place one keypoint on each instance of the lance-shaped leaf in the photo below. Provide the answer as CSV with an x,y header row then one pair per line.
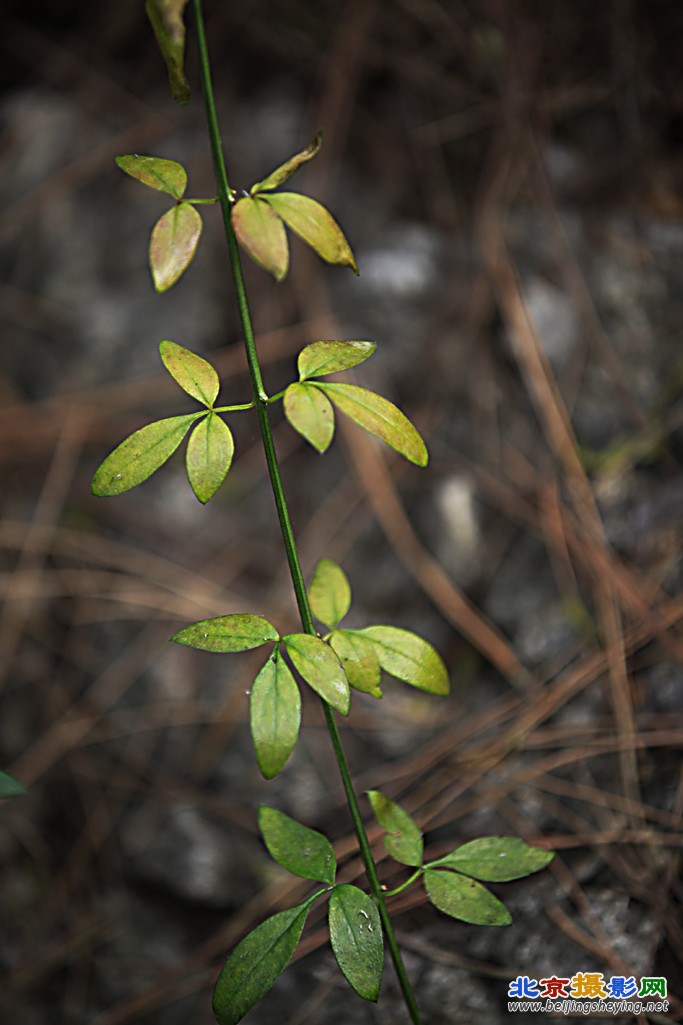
x,y
404,839
464,899
380,417
496,859
262,234
359,659
356,938
321,358
315,225
310,413
140,455
209,455
9,786
194,375
174,241
164,175
280,175
237,632
166,17
302,851
257,962
329,593
275,715
320,668
409,658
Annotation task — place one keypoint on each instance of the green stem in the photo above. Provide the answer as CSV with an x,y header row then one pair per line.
x,y
261,400
404,886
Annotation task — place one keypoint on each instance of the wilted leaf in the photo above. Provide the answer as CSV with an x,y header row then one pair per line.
x,y
359,659
310,413
237,632
164,175
320,358
256,962
9,786
409,658
356,938
320,668
209,455
140,455
464,899
194,375
174,241
380,417
280,175
404,839
329,593
275,715
166,17
263,235
315,225
496,859
302,851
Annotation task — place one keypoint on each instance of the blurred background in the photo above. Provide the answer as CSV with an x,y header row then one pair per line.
x,y
510,177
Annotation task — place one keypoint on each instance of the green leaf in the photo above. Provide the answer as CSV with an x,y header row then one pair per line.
x,y
315,225
310,413
404,842
174,241
140,455
464,899
302,851
275,715
194,375
380,417
329,593
409,658
359,659
356,938
257,962
320,668
166,17
263,235
236,632
280,175
209,455
164,175
321,358
9,786
496,859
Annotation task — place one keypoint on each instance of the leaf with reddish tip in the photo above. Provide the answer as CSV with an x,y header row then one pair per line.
x,y
174,242
311,414
380,417
280,175
195,375
315,225
164,175
263,235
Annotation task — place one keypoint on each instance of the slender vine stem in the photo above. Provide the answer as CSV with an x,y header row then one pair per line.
x,y
225,195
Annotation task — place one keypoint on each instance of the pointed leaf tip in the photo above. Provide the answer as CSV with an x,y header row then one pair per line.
x,y
408,657
404,838
328,357
262,233
310,413
274,715
194,374
280,175
209,456
356,938
315,225
329,593
140,455
236,632
302,851
463,898
157,173
166,17
173,244
496,859
320,668
378,416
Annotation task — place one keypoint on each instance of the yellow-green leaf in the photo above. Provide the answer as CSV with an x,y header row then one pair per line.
x,y
404,839
315,225
409,658
320,358
166,17
209,455
329,593
320,668
194,375
496,859
302,851
164,175
464,899
140,455
380,417
173,244
237,632
274,715
310,413
263,235
359,659
286,170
